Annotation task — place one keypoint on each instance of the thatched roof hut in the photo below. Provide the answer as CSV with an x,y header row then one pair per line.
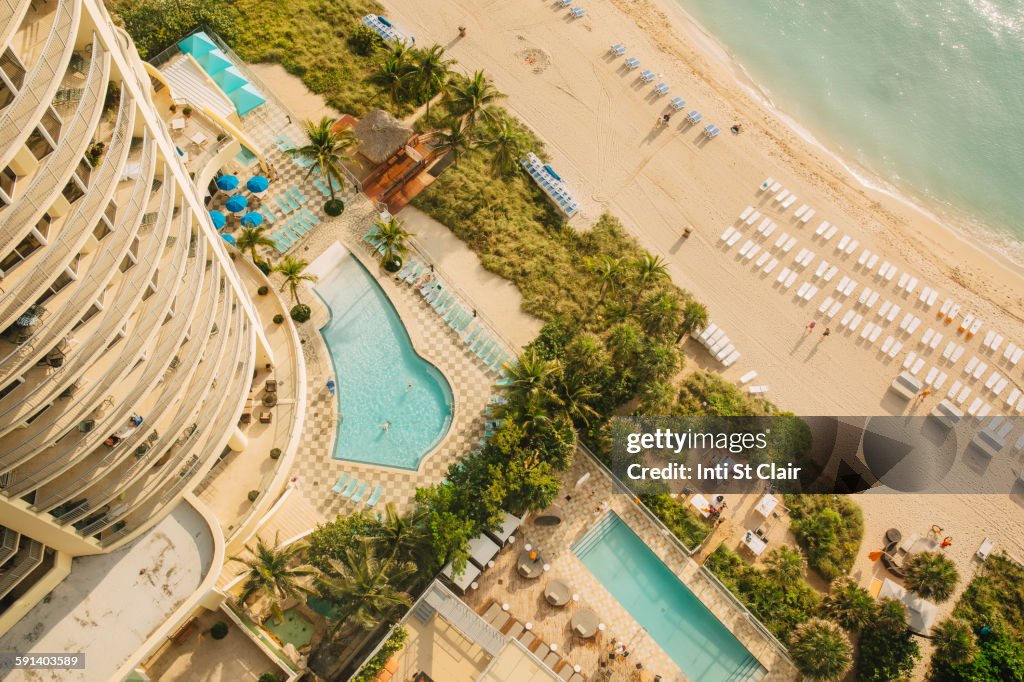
x,y
380,135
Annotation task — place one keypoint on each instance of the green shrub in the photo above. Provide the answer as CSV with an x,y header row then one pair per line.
x,y
253,494
268,677
264,267
263,290
680,519
888,650
155,25
301,312
219,630
334,207
363,40
395,643
394,265
830,529
279,318
275,453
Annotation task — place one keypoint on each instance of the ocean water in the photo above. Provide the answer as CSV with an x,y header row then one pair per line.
x,y
927,95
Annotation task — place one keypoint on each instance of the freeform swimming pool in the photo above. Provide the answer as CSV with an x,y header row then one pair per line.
x,y
674,617
393,405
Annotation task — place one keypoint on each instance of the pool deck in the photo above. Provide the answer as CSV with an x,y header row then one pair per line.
x,y
525,597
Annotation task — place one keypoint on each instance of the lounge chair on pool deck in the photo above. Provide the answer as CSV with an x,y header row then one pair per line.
x,y
647,76
632,63
618,49
360,492
350,488
342,480
375,496
678,103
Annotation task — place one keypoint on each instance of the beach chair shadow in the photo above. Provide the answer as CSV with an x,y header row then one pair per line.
x,y
653,134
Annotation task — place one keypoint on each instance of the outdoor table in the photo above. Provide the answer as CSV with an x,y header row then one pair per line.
x,y
557,593
177,123
530,568
754,543
198,139
701,504
584,623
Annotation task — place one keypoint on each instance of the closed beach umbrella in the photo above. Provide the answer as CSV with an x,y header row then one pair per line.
x,y
236,203
229,239
227,182
257,184
252,219
218,218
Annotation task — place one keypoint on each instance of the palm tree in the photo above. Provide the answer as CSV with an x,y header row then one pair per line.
x,y
931,575
821,650
432,73
695,319
403,535
457,140
394,74
507,143
785,565
609,273
954,641
661,314
293,271
531,380
389,238
271,574
649,268
470,98
362,587
574,397
849,604
325,150
252,238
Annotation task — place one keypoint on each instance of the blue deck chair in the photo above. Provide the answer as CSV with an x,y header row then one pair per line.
x,y
375,496
342,480
359,493
350,488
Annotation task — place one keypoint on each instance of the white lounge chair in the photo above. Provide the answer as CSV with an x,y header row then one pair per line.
x,y
985,549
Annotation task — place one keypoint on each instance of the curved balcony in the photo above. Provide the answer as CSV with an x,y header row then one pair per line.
x,y
18,119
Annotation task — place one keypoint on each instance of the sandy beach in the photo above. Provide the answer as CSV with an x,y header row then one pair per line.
x,y
598,123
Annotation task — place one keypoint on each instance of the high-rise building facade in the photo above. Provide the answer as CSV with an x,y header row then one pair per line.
x,y
127,344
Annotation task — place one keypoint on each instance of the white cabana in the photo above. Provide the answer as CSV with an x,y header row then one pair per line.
x,y
921,613
481,550
463,581
509,525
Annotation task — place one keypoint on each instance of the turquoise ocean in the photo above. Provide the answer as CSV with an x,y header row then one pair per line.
x,y
925,95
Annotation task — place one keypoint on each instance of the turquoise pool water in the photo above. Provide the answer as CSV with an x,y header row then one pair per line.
x,y
682,626
294,629
380,378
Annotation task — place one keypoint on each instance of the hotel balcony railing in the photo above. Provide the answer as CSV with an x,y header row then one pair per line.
x,y
42,80
9,9
16,221
78,450
129,445
85,216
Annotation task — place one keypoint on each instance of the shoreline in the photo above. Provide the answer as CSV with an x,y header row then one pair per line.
x,y
989,245
977,232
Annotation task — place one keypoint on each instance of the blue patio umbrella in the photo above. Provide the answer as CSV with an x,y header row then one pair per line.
x,y
213,61
227,182
218,218
252,219
229,239
257,184
236,203
197,44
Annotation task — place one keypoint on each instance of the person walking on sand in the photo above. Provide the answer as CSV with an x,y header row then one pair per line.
x,y
827,332
810,327
462,31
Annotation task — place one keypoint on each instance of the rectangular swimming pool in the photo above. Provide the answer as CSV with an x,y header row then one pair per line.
x,y
672,615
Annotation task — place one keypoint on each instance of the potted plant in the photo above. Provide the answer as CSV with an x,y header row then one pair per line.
x,y
334,207
187,111
219,630
267,677
279,318
263,290
301,312
253,494
275,453
174,108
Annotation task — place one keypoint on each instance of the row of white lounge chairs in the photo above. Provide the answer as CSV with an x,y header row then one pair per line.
x,y
859,319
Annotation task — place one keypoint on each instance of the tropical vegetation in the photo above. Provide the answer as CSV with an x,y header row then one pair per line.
x,y
251,238
829,528
821,650
390,239
887,649
293,275
325,153
273,573
849,604
931,575
984,637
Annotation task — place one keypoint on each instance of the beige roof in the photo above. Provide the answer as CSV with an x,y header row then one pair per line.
x,y
381,135
515,664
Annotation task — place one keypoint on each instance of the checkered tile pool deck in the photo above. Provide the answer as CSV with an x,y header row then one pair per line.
x,y
472,383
